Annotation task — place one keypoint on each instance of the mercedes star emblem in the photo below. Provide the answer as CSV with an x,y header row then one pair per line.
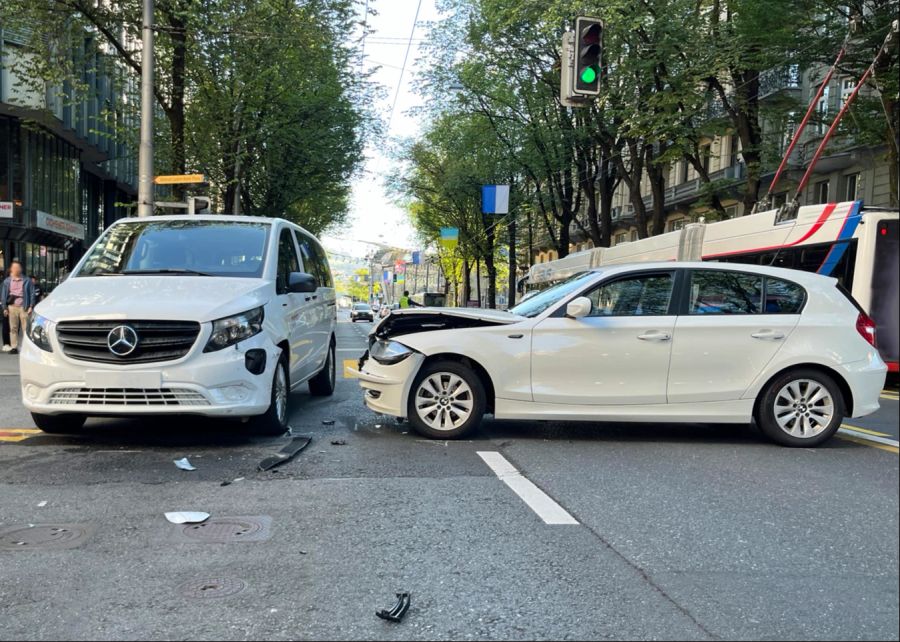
x,y
122,340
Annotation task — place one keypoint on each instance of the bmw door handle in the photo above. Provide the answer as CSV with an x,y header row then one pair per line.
x,y
771,335
655,335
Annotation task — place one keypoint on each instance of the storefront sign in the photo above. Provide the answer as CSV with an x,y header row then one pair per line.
x,y
6,209
60,225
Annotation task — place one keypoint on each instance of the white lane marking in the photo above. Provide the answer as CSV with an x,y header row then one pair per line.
x,y
537,500
867,437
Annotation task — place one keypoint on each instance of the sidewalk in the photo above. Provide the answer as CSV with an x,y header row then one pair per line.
x,y
9,364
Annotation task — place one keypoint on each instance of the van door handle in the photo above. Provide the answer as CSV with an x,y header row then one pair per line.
x,y
516,336
655,335
771,335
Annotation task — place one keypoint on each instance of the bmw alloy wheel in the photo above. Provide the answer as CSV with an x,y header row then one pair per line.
x,y
803,408
444,401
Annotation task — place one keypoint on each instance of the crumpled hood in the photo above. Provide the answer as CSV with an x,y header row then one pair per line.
x,y
164,297
481,314
415,320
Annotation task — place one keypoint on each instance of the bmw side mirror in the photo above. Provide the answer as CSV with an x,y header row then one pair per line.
x,y
302,282
580,307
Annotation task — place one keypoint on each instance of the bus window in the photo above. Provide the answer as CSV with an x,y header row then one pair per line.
x,y
885,299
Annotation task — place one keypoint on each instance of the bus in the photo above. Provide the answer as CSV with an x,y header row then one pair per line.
x,y
428,299
857,245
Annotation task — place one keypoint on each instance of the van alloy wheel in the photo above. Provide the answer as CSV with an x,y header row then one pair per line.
x,y
444,401
281,395
803,408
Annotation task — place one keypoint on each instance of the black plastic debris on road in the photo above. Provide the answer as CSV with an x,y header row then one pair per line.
x,y
338,442
396,613
287,453
328,422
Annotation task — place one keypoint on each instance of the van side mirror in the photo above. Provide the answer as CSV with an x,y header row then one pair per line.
x,y
302,282
580,307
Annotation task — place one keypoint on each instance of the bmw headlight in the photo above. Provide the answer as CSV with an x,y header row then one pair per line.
x,y
230,330
38,332
389,352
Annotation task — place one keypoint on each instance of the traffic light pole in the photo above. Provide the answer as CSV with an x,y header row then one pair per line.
x,y
145,153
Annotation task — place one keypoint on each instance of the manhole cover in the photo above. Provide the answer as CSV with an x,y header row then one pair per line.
x,y
44,537
212,587
229,529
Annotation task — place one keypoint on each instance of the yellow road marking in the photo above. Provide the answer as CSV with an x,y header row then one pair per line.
x,y
891,397
865,430
350,366
17,434
872,444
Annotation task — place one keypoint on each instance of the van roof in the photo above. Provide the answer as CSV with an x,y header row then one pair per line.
x,y
209,217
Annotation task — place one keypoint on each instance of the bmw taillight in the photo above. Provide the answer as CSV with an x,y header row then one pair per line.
x,y
866,327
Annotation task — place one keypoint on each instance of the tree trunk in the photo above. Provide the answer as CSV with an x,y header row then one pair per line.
x,y
657,178
176,110
747,125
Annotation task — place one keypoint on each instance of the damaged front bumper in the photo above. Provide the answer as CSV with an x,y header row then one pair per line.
x,y
386,387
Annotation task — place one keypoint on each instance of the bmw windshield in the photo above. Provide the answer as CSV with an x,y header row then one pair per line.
x,y
180,247
553,295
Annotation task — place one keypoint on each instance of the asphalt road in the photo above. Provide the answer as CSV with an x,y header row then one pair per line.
x,y
682,532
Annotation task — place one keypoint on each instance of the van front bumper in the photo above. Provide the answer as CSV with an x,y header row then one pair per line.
x,y
210,384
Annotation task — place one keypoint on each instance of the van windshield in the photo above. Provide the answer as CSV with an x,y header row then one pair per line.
x,y
169,247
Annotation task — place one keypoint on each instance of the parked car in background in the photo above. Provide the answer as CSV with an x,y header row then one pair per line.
x,y
361,312
207,315
668,342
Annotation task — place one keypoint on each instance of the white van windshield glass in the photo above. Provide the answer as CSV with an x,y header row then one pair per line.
x,y
200,248
549,297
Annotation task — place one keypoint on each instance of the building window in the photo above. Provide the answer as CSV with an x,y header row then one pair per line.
x,y
682,172
847,85
634,235
822,111
731,211
677,224
821,192
779,199
621,238
852,186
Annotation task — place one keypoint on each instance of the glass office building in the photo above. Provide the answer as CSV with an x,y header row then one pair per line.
x,y
68,166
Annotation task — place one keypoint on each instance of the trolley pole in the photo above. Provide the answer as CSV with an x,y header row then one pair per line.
x,y
145,154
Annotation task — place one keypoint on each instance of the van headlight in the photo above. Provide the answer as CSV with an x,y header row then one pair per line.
x,y
230,330
38,331
389,352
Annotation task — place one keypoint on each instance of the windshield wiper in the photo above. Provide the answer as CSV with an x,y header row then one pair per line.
x,y
167,271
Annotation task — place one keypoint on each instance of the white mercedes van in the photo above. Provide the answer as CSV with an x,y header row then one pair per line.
x,y
211,315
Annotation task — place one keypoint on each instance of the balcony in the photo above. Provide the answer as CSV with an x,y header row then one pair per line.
x,y
779,79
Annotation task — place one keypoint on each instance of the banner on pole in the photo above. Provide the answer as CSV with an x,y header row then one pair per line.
x,y
450,237
495,199
416,258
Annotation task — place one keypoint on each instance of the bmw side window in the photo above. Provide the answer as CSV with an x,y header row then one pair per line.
x,y
783,297
644,295
287,261
715,292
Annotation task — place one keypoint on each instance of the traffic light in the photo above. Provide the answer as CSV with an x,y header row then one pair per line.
x,y
588,50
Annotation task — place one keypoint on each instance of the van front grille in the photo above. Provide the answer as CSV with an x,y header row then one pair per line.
x,y
127,397
156,340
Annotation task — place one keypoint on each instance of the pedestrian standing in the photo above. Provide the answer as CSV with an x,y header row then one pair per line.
x,y
5,323
404,300
38,293
17,296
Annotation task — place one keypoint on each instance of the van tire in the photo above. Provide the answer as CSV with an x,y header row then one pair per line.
x,y
322,385
58,424
272,421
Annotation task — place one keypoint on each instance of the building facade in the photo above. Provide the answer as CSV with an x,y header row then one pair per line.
x,y
847,171
68,165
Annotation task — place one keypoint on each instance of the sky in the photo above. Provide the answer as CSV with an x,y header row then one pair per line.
x,y
373,215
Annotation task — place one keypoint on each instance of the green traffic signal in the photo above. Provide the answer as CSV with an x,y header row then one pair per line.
x,y
589,75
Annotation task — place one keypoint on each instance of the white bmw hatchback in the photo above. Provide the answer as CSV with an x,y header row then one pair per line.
x,y
651,342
